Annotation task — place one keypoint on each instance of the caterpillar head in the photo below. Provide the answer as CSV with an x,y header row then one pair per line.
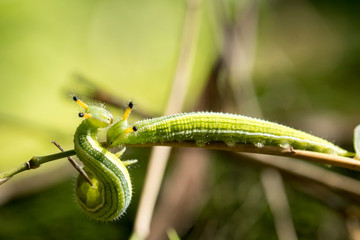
x,y
97,116
119,131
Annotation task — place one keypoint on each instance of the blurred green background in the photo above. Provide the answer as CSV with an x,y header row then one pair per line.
x,y
299,60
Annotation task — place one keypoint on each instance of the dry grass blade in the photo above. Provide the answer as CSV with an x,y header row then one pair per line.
x,y
276,196
159,157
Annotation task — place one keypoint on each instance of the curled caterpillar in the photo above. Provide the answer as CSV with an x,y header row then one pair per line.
x,y
207,127
110,193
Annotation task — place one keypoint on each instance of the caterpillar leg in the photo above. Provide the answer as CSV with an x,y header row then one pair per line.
x,y
129,162
121,152
125,162
75,165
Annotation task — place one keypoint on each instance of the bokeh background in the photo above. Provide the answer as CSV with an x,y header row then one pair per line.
x,y
292,62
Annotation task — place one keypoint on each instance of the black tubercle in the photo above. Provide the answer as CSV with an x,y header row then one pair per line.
x,y
81,115
134,128
75,98
131,105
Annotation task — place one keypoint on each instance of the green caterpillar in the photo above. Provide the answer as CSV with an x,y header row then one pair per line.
x,y
207,127
110,193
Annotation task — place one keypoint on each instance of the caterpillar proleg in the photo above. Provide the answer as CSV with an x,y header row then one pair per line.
x,y
207,127
111,192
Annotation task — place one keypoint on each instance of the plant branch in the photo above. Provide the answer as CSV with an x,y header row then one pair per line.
x,y
332,160
33,163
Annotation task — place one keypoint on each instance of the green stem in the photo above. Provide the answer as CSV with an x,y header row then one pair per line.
x,y
48,158
33,163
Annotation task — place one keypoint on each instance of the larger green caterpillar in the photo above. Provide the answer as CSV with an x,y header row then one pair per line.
x,y
207,127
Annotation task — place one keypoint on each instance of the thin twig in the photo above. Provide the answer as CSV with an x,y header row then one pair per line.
x,y
34,162
75,164
332,160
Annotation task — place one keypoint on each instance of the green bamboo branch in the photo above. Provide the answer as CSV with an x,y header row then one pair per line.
x,y
33,163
